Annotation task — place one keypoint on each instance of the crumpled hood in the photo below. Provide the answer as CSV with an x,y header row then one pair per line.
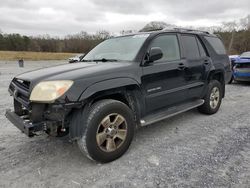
x,y
242,60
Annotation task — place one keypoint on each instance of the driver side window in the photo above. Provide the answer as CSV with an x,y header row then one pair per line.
x,y
169,46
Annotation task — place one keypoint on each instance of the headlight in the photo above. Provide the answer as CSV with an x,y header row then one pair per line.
x,y
49,91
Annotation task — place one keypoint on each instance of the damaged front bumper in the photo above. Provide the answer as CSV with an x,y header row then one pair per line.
x,y
25,125
31,117
52,119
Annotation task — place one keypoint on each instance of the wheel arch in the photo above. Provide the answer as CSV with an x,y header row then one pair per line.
x,y
127,94
219,76
130,95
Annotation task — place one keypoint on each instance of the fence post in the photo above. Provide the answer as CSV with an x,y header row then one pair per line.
x,y
21,63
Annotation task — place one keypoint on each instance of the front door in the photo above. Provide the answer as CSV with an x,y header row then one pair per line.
x,y
164,80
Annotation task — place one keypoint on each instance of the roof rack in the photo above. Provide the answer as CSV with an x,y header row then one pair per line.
x,y
181,29
190,30
151,29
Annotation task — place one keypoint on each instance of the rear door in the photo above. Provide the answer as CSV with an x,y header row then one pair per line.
x,y
164,80
198,62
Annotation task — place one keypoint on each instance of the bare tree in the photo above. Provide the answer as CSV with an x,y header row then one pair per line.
x,y
156,25
102,34
245,22
230,27
126,32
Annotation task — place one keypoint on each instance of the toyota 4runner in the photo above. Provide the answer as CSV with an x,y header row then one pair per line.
x,y
123,83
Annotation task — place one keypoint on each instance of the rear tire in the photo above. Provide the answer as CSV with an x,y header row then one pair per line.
x,y
212,99
109,131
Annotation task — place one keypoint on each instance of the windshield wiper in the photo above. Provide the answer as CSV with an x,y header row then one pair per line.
x,y
83,60
100,60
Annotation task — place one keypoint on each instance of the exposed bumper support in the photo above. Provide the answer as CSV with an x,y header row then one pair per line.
x,y
24,125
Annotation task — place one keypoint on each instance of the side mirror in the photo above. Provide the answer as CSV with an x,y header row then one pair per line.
x,y
155,54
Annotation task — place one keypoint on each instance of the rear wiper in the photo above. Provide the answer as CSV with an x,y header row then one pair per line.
x,y
100,60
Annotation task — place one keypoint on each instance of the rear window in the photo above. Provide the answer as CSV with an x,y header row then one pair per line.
x,y
216,44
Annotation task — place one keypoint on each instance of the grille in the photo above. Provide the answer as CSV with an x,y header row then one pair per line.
x,y
20,90
22,84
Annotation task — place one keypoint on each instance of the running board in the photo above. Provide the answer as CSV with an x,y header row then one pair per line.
x,y
169,112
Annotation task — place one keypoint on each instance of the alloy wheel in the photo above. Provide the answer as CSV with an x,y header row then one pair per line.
x,y
111,132
214,97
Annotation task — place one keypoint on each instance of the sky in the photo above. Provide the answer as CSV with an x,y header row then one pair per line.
x,y
63,17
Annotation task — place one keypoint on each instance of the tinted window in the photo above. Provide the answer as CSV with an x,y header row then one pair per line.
x,y
202,50
190,47
216,44
169,46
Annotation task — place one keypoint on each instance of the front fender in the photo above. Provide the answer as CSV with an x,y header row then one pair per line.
x,y
79,116
106,85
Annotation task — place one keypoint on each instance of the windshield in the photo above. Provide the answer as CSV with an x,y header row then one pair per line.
x,y
245,55
120,48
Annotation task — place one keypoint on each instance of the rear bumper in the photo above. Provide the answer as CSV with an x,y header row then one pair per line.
x,y
25,126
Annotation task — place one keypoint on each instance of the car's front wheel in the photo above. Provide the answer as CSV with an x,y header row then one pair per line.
x,y
109,131
212,98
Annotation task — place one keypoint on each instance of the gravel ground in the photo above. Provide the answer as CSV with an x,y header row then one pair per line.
x,y
188,150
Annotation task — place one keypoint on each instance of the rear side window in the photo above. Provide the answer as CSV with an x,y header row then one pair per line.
x,y
190,47
169,46
216,44
202,50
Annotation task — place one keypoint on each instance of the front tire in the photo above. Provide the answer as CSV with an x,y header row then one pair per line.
x,y
212,98
109,131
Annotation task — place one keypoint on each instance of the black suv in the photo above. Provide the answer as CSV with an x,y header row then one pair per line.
x,y
123,83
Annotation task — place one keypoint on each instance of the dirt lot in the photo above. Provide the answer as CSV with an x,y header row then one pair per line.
x,y
15,55
189,150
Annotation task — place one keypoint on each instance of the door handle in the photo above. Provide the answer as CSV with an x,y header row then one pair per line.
x,y
181,66
206,62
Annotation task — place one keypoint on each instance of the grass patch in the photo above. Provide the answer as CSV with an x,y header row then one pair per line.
x,y
34,56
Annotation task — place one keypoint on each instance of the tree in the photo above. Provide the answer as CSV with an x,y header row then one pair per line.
x,y
102,35
156,25
126,32
245,22
235,35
